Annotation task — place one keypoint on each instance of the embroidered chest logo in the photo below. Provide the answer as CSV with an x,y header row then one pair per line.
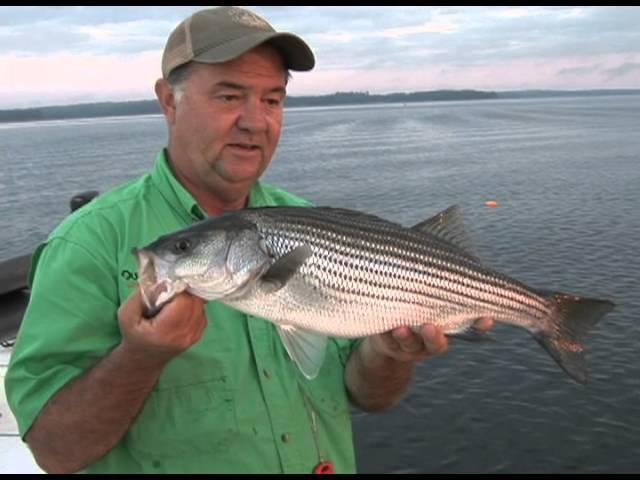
x,y
130,277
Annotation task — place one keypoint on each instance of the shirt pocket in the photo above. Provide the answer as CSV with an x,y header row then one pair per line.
x,y
185,419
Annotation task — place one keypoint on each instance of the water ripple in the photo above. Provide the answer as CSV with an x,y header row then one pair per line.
x,y
565,175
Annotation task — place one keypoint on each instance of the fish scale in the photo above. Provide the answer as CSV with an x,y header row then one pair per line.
x,y
365,263
430,254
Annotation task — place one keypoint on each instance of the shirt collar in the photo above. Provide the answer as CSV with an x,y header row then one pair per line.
x,y
172,190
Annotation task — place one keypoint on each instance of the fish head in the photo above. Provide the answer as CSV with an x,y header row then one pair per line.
x,y
213,259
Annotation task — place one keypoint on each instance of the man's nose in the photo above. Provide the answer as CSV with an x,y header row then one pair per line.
x,y
252,117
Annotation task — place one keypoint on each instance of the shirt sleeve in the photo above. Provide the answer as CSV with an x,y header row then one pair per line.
x,y
69,325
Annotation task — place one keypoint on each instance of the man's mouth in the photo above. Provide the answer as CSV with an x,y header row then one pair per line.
x,y
245,146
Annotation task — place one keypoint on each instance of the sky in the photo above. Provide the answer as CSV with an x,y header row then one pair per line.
x,y
57,55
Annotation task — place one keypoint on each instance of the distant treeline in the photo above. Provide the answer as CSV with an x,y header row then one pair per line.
x,y
150,107
87,110
353,98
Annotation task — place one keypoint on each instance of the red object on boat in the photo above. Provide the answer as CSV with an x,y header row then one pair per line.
x,y
324,467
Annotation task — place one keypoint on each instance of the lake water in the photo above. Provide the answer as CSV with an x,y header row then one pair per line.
x,y
566,176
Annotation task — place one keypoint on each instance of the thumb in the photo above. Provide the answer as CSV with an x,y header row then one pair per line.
x,y
132,308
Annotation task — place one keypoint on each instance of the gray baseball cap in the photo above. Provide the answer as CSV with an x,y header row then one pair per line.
x,y
220,34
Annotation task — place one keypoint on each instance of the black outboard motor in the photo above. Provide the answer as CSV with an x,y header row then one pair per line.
x,y
82,198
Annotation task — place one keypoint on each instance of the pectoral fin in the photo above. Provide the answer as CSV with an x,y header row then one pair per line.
x,y
285,267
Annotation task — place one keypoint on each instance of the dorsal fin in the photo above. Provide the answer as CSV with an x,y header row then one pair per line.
x,y
448,225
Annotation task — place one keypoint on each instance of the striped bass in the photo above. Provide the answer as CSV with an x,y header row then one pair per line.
x,y
317,272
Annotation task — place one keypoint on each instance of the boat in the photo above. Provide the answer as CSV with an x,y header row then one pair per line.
x,y
14,291
15,456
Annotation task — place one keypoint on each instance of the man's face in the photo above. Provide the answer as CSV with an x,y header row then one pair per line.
x,y
227,123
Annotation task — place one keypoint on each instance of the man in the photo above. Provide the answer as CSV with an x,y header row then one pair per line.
x,y
96,387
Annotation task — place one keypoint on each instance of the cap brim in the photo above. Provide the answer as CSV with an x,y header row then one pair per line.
x,y
296,53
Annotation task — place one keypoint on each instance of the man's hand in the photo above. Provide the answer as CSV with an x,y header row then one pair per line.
x,y
178,326
85,418
379,372
405,345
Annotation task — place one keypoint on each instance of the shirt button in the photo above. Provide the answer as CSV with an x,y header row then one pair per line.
x,y
285,437
267,373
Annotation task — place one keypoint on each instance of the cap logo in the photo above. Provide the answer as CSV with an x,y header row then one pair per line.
x,y
248,18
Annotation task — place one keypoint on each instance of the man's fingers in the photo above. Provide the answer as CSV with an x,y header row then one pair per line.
x,y
388,342
406,344
407,341
430,340
484,323
434,339
132,307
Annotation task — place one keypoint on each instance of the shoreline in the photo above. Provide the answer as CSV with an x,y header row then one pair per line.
x,y
347,99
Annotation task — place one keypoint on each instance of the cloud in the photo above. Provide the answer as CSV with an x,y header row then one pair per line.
x,y
38,30
69,78
584,70
622,70
131,36
427,27
517,12
375,48
89,15
614,68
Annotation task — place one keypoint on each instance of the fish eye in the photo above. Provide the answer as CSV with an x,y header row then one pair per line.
x,y
181,246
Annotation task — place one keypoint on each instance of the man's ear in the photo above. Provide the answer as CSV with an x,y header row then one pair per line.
x,y
166,98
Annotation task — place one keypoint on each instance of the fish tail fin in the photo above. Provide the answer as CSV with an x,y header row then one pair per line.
x,y
571,320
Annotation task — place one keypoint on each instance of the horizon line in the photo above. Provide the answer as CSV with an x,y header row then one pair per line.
x,y
355,92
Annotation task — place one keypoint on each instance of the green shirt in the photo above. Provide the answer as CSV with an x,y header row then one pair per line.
x,y
233,402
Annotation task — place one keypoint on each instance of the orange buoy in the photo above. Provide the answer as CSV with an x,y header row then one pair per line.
x,y
491,203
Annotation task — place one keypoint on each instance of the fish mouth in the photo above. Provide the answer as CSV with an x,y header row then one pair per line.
x,y
156,291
